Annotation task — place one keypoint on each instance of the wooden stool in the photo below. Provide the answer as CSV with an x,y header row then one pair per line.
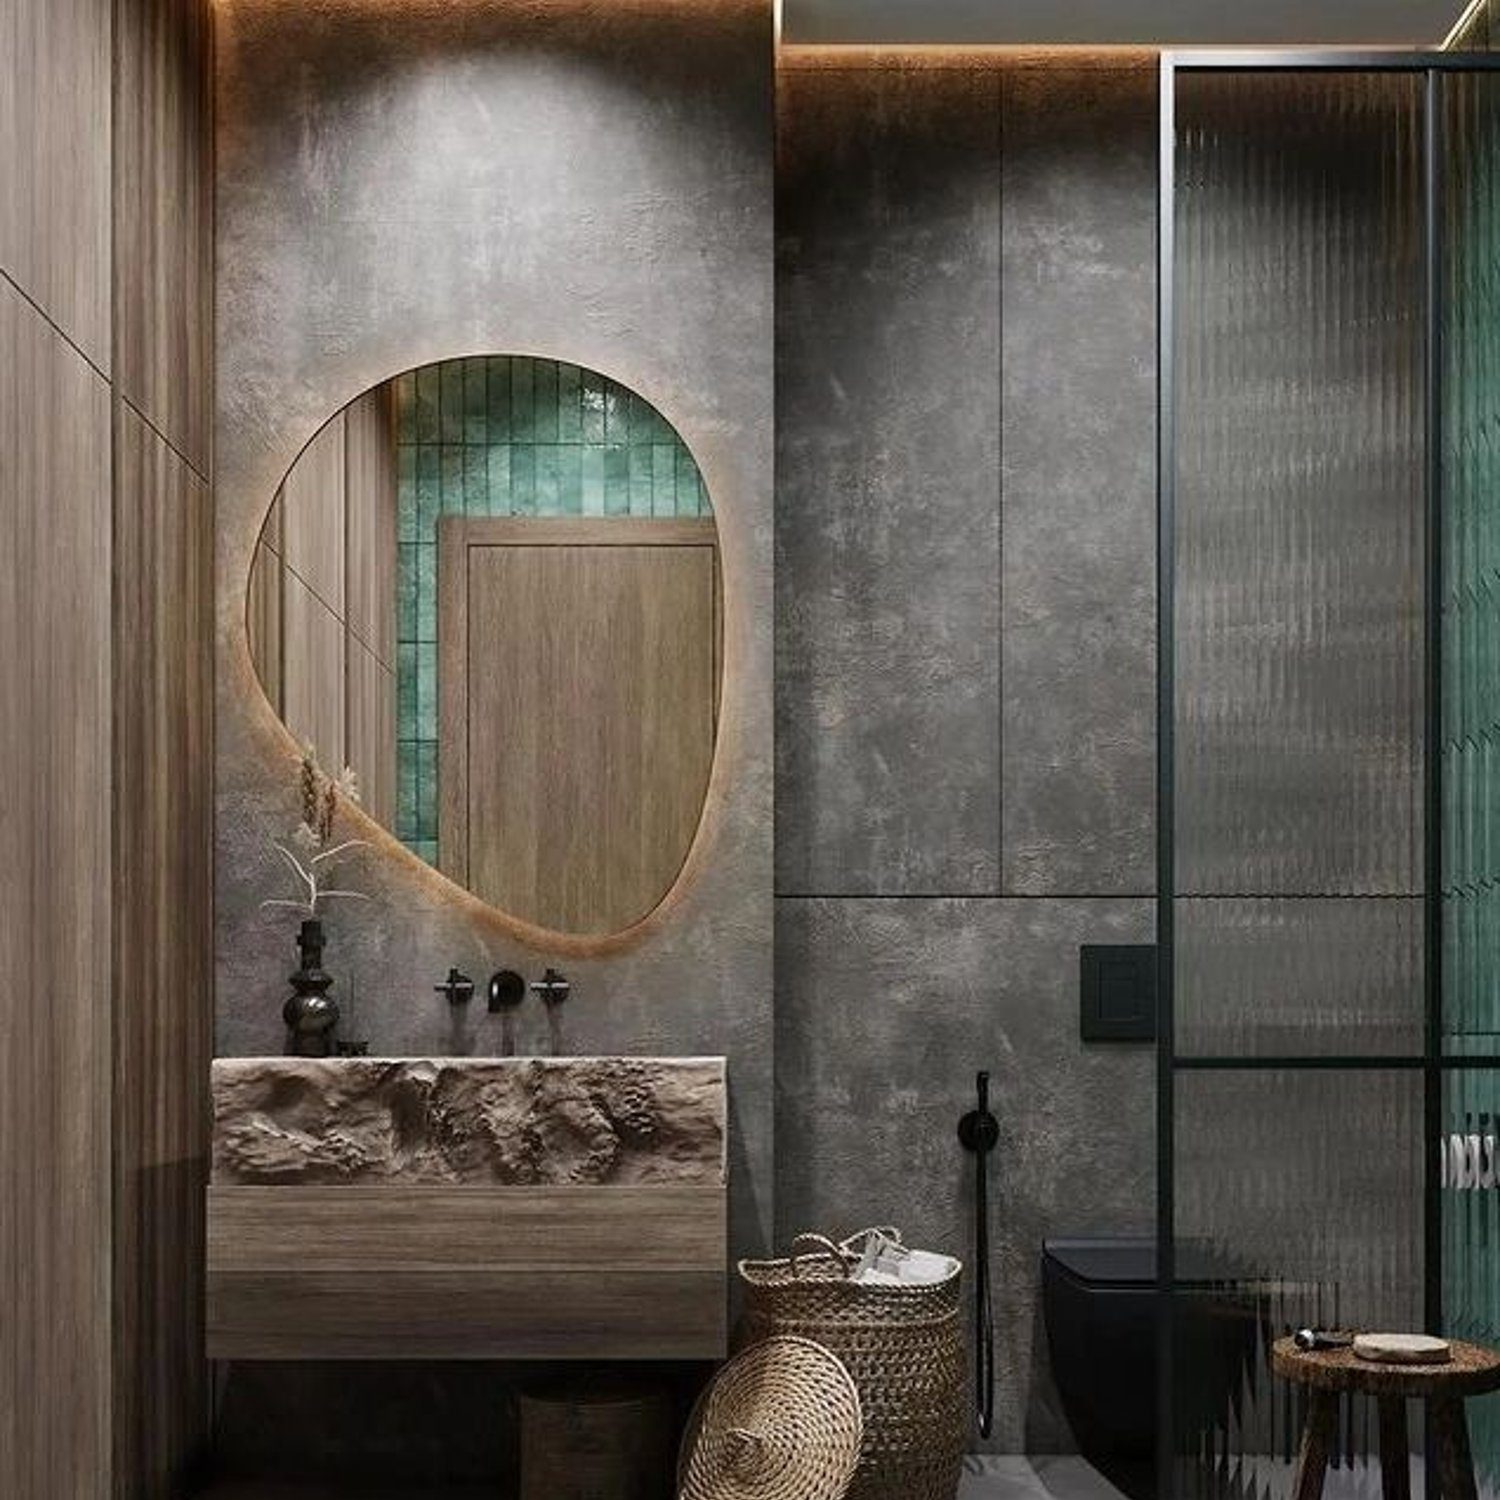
x,y
1328,1372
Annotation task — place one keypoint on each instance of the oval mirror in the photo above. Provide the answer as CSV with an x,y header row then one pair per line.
x,y
491,587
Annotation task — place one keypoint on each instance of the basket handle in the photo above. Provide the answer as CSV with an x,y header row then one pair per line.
x,y
888,1231
841,1255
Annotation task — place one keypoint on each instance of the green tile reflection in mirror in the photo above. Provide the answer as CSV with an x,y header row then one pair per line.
x,y
507,435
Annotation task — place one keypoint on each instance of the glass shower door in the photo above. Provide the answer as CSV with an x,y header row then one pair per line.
x,y
1293,780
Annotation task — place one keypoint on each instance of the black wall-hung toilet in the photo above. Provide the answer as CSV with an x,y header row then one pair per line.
x,y
1099,1305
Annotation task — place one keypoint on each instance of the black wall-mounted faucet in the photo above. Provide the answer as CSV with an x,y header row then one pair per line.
x,y
507,990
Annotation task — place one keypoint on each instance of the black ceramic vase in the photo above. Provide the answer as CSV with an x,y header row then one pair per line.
x,y
311,1013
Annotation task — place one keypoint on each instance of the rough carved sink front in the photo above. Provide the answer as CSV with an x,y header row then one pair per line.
x,y
511,1121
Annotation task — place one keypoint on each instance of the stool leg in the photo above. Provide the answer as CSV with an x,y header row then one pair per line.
x,y
1395,1455
1455,1465
1317,1439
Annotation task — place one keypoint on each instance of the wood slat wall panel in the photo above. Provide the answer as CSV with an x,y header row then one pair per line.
x,y
55,162
54,913
163,976
163,208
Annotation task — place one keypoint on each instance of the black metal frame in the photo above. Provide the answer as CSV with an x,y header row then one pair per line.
x,y
1431,1062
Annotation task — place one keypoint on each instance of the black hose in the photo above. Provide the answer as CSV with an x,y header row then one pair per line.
x,y
979,1131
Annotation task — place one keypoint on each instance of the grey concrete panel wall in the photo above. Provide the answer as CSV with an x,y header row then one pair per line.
x,y
885,1011
887,504
585,181
1079,581
928,203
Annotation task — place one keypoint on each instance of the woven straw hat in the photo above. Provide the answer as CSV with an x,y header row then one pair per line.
x,y
780,1422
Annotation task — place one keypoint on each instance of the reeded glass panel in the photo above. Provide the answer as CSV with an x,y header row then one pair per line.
x,y
1299,1202
1299,976
1298,397
1300,466
1299,480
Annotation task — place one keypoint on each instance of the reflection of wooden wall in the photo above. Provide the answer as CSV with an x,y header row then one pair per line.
x,y
106,923
322,600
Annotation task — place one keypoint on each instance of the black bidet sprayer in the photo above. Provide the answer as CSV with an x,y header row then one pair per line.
x,y
979,1131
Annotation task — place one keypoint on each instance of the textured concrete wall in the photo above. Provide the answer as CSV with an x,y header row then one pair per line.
x,y
584,181
965,673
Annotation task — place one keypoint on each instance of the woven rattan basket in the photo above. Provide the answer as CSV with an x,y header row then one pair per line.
x,y
903,1346
780,1422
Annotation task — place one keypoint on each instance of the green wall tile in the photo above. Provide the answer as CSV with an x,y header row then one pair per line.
x,y
406,790
429,489
616,413
640,479
548,486
406,690
452,399
476,401
499,479
427,789
476,479
406,591
523,400
663,480
616,481
427,593
591,480
499,399
429,404
406,492
427,696
569,404
592,400
545,384
523,479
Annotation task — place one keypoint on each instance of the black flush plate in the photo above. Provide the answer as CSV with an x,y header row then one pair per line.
x,y
1117,992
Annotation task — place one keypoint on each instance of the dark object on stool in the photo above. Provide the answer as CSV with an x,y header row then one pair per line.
x,y
1328,1373
596,1440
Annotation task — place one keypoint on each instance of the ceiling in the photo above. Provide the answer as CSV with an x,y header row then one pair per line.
x,y
1417,23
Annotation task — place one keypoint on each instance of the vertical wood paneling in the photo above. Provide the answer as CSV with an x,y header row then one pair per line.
x,y
163,693
54,914
55,162
312,506
163,199
263,620
163,1033
371,730
370,523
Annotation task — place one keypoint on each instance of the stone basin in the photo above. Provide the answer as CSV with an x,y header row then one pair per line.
x,y
496,1121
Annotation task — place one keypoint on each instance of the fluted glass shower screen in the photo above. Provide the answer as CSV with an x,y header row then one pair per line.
x,y
1329,916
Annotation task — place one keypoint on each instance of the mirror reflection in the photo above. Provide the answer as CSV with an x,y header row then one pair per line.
x,y
491,586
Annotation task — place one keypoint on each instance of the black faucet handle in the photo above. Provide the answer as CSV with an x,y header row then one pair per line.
x,y
459,989
552,987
